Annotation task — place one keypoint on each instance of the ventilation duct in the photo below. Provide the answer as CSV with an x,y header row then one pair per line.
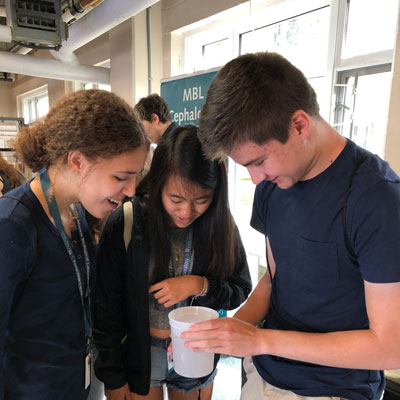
x,y
52,69
101,19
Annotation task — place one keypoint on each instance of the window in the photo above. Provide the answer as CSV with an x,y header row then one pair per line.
x,y
216,53
35,104
362,72
365,18
87,86
208,49
297,38
362,106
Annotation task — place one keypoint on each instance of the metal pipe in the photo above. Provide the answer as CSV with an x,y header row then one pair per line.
x,y
52,69
101,19
149,77
5,34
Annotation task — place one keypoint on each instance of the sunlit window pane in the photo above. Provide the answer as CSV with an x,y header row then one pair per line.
x,y
370,113
217,53
302,40
371,27
89,86
362,110
32,110
105,87
42,106
26,112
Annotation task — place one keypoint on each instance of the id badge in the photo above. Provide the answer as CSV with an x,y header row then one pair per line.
x,y
88,370
170,361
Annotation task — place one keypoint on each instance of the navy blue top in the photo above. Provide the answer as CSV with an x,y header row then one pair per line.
x,y
317,286
42,339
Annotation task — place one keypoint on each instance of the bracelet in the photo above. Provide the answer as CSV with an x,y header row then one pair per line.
x,y
204,291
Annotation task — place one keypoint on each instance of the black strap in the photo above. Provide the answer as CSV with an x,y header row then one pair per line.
x,y
17,199
266,213
346,198
29,210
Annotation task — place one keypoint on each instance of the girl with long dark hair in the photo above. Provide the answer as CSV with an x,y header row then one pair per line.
x,y
185,250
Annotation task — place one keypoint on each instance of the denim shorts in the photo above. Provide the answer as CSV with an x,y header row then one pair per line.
x,y
160,374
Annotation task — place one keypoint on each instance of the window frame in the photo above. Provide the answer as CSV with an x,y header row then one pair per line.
x,y
32,97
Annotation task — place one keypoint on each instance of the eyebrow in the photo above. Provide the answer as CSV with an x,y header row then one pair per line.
x,y
255,161
128,172
206,196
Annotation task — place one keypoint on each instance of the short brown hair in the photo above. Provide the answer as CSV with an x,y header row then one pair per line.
x,y
98,123
252,99
153,104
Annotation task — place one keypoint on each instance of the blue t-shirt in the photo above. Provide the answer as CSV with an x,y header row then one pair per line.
x,y
42,337
317,286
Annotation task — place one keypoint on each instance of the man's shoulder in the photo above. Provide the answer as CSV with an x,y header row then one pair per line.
x,y
375,174
170,128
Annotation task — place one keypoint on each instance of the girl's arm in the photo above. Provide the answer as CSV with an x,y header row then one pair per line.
x,y
109,319
17,254
206,290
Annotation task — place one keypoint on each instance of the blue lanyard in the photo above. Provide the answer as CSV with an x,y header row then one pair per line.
x,y
55,213
187,255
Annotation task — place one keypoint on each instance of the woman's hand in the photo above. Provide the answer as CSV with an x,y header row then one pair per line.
x,y
122,393
173,290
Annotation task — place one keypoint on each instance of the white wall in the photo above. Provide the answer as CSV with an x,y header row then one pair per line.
x,y
5,100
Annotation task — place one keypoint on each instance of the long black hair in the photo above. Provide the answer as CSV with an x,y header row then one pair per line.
x,y
180,154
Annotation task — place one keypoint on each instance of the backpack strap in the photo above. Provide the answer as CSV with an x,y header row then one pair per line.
x,y
128,222
17,199
346,198
266,213
30,213
7,183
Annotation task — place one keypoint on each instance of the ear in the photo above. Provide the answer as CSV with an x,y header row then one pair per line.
x,y
155,119
301,122
76,161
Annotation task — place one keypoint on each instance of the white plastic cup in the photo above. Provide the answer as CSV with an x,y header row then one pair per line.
x,y
187,362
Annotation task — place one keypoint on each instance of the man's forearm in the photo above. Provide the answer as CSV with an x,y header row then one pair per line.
x,y
359,349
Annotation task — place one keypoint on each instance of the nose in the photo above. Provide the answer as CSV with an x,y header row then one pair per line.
x,y
129,189
186,210
256,175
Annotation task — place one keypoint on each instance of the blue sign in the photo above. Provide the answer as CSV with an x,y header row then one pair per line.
x,y
186,96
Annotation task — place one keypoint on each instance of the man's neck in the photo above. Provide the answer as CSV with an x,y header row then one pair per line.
x,y
328,144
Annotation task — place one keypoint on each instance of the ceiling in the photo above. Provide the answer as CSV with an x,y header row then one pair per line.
x,y
96,20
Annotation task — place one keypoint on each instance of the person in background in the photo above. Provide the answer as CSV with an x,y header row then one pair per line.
x,y
10,177
329,302
87,154
185,250
155,115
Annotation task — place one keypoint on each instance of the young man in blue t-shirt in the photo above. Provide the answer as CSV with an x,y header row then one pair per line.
x,y
330,212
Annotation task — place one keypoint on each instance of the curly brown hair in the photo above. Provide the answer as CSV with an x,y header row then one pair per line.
x,y
97,123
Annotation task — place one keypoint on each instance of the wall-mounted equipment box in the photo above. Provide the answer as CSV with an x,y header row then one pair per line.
x,y
37,22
